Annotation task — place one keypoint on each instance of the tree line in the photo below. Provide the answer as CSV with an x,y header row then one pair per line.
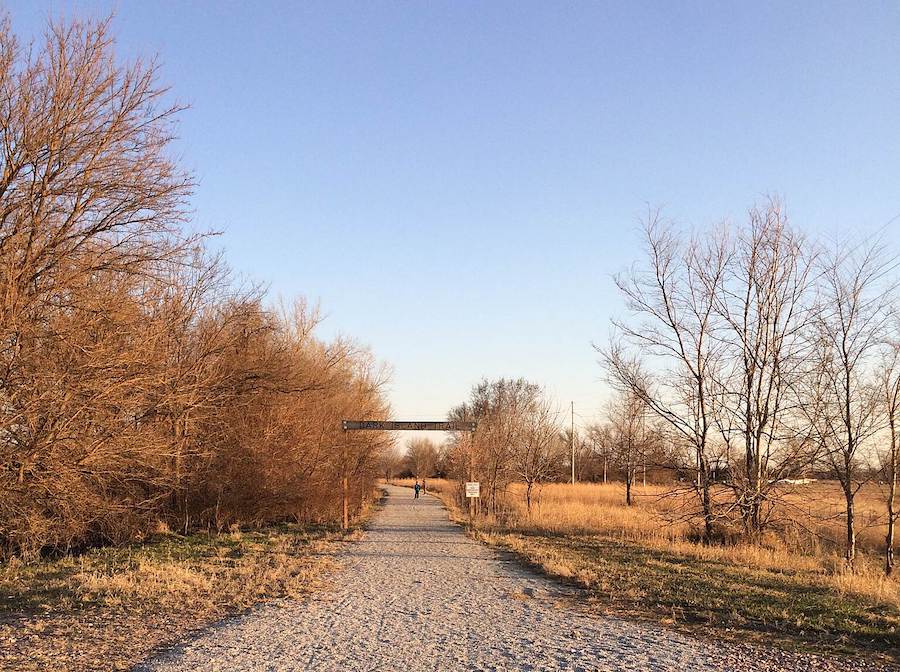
x,y
763,355
751,356
141,385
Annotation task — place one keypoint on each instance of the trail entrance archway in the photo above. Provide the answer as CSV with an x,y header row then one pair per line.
x,y
397,426
409,426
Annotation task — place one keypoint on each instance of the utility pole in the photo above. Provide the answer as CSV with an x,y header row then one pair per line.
x,y
572,442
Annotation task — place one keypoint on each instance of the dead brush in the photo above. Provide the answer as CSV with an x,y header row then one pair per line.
x,y
166,583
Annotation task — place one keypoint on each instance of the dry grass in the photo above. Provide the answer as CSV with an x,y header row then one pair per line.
x,y
236,570
792,587
808,539
110,607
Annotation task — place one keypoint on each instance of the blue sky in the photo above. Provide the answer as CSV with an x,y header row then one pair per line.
x,y
457,181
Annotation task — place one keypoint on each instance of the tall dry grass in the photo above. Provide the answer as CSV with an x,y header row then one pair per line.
x,y
805,539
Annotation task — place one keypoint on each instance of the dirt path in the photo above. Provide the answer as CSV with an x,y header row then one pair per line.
x,y
417,594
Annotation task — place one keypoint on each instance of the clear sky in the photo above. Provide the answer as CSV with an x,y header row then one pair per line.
x,y
456,181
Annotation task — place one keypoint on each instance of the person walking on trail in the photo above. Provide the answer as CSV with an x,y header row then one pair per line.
x,y
423,485
417,490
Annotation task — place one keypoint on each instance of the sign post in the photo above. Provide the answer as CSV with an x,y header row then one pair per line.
x,y
473,492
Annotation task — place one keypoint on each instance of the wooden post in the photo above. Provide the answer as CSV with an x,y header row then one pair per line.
x,y
345,488
471,477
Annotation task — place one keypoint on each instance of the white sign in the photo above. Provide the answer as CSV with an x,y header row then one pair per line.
x,y
473,489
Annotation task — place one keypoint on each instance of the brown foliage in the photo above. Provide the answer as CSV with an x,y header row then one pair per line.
x,y
138,383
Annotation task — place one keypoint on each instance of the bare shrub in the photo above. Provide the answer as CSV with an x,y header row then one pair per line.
x,y
141,386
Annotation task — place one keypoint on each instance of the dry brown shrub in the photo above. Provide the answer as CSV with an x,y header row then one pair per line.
x,y
142,387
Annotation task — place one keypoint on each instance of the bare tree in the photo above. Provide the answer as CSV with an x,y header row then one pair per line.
x,y
90,207
844,396
890,457
421,457
630,437
538,448
765,308
599,445
673,299
498,406
391,464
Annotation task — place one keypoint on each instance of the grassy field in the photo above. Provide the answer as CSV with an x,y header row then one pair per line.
x,y
791,589
107,609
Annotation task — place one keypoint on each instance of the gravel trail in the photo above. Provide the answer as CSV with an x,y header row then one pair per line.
x,y
416,594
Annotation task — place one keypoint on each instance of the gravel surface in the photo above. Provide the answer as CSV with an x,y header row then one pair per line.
x,y
416,594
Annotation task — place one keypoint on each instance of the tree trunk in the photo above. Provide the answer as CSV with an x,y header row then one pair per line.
x,y
850,553
705,496
889,547
492,503
179,494
754,494
891,499
629,477
892,517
